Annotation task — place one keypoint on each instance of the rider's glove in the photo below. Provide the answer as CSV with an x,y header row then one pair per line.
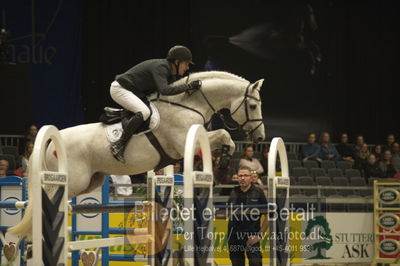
x,y
195,85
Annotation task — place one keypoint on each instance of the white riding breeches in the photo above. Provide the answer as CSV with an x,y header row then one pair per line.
x,y
128,100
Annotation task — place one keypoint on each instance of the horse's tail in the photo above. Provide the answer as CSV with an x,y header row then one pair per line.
x,y
24,227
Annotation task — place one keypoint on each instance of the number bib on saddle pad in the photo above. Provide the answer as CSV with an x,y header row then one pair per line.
x,y
114,131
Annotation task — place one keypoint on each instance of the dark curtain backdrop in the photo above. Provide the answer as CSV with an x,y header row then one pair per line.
x,y
44,49
354,88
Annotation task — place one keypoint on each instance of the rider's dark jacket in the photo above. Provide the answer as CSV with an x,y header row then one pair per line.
x,y
150,76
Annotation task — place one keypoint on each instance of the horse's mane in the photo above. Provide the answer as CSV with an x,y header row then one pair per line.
x,y
205,75
216,74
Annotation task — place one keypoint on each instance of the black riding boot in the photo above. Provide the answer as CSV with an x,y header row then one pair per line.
x,y
118,147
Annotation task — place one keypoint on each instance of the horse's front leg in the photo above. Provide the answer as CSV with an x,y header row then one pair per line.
x,y
221,137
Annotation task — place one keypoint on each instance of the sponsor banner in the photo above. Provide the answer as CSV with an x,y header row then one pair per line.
x,y
326,238
339,238
389,245
389,195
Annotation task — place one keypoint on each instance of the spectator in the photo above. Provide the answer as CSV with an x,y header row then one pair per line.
x,y
29,137
377,151
27,154
359,143
3,173
345,149
328,151
390,139
371,168
311,150
264,158
386,164
178,167
396,155
248,160
220,174
231,180
31,134
361,157
256,180
235,178
4,165
244,230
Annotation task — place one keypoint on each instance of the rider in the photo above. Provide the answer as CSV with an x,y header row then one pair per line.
x,y
131,88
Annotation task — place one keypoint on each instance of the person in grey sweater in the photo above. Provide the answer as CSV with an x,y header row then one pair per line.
x,y
131,88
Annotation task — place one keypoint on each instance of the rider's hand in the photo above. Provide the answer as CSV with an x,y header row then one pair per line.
x,y
195,85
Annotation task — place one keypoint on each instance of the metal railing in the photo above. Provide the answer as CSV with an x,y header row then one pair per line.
x,y
11,140
290,146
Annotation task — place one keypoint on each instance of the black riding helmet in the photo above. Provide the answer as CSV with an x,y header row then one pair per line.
x,y
180,52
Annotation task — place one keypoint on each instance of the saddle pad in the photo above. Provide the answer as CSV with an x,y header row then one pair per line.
x,y
114,131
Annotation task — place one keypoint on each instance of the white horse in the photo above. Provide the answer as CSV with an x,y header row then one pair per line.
x,y
88,150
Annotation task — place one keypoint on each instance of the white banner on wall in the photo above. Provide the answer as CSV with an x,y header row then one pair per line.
x,y
338,238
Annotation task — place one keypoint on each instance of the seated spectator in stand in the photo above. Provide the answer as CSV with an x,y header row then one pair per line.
x,y
178,167
371,168
311,150
386,165
31,134
345,149
29,137
390,139
231,180
264,158
359,143
3,173
4,165
247,160
220,174
361,157
235,178
377,151
27,154
328,150
396,155
256,179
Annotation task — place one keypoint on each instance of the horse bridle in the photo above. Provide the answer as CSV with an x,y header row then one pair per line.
x,y
221,116
248,120
243,102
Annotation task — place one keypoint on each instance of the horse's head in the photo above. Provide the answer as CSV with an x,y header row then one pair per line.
x,y
246,111
223,90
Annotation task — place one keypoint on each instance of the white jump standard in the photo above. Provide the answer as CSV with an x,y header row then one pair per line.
x,y
279,252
